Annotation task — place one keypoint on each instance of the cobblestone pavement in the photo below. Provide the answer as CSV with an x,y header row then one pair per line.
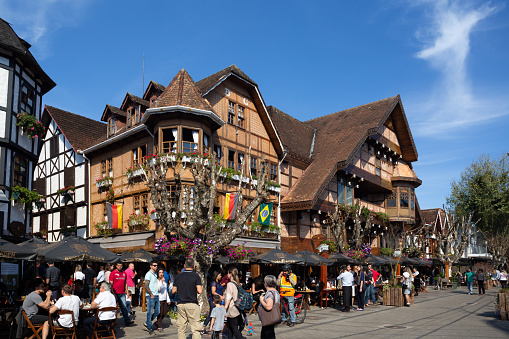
x,y
438,314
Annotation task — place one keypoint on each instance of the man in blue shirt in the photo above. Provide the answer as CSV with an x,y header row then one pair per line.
x,y
152,296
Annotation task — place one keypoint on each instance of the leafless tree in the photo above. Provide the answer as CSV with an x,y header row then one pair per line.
x,y
498,243
451,241
183,219
362,222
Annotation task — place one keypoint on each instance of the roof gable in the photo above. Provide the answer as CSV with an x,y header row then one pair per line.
x,y
80,131
153,87
109,109
131,98
182,91
208,83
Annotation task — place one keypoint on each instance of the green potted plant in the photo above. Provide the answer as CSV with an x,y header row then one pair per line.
x,y
30,125
69,231
103,229
138,222
23,195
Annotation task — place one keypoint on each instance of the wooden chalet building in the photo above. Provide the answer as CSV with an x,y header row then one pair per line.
x,y
360,155
223,113
22,85
60,166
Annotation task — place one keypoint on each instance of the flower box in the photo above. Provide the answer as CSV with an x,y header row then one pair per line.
x,y
254,182
503,305
185,158
245,180
154,216
104,183
136,173
393,296
236,177
275,189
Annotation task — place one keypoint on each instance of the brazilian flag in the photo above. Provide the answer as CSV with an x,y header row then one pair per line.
x,y
264,214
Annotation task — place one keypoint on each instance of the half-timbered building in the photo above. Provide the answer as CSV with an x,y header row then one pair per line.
x,y
61,174
22,85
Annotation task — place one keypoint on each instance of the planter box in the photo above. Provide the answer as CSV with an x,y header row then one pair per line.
x,y
154,216
245,180
275,189
103,183
488,284
186,159
236,177
137,228
393,296
136,173
503,304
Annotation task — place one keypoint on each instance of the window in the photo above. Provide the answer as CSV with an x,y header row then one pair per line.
x,y
231,112
240,119
254,170
20,171
53,146
129,118
273,172
403,197
190,140
206,143
137,114
240,162
27,99
103,168
137,204
109,164
345,193
144,203
341,192
219,153
139,155
141,203
231,159
169,141
111,126
349,195
171,192
391,201
105,213
378,166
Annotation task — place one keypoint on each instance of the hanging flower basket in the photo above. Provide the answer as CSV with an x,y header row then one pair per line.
x,y
136,171
154,215
23,195
66,191
104,182
138,222
30,125
103,229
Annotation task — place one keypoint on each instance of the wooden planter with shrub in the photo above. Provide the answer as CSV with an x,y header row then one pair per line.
x,y
488,284
393,296
503,305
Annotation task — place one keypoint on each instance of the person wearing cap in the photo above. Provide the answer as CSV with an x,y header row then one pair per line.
x,y
287,281
53,278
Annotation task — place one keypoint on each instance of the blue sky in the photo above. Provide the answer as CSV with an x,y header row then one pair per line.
x,y
447,59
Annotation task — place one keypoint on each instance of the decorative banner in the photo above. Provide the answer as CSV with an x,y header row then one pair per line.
x,y
230,205
114,213
264,215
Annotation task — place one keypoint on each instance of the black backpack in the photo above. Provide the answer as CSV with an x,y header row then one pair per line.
x,y
244,300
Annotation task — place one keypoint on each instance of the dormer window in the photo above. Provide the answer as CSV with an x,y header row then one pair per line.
x,y
112,127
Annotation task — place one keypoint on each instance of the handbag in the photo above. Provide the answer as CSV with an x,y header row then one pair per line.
x,y
272,317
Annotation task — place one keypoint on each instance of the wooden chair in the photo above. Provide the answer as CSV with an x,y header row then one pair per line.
x,y
253,309
105,331
36,329
59,331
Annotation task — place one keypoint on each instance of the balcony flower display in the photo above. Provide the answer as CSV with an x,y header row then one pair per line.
x,y
25,196
103,229
138,221
154,215
239,252
43,233
136,171
30,125
66,190
331,244
69,231
184,246
273,186
363,251
104,182
110,196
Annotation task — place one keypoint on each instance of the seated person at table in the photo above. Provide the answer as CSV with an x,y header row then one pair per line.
x,y
66,302
104,299
33,302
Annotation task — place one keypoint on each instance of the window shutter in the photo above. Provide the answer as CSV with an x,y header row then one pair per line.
x,y
43,222
53,149
69,176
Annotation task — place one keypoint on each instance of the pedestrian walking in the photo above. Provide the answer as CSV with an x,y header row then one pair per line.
x,y
346,282
406,280
162,288
215,289
118,282
152,296
217,315
188,285
480,281
234,319
469,278
361,283
130,273
370,286
503,278
100,275
269,300
53,278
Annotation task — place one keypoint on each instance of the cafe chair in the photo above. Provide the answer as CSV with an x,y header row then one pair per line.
x,y
105,331
36,329
253,309
59,331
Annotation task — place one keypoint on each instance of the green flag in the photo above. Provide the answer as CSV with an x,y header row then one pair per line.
x,y
264,214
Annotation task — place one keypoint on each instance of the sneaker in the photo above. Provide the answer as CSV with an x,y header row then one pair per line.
x,y
160,330
146,326
204,331
291,324
129,323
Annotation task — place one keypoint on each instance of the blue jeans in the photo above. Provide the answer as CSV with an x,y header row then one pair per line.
x,y
370,294
291,308
153,308
470,285
122,303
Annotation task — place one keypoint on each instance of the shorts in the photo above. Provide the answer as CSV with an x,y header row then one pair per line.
x,y
407,291
131,289
39,319
353,290
57,324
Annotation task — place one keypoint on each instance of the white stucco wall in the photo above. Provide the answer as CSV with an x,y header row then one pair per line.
x,y
81,216
3,116
4,86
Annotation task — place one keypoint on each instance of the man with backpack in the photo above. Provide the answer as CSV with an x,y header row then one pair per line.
x,y
188,285
287,281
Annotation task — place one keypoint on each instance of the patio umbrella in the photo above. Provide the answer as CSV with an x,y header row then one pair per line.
x,y
422,262
10,251
313,259
389,260
339,258
33,243
137,256
276,256
373,260
226,261
76,249
408,261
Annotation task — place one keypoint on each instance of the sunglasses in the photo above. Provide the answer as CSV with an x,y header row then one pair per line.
x,y
153,265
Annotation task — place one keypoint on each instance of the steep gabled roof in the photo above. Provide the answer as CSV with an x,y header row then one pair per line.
x,y
10,41
80,131
296,136
153,86
114,110
135,99
338,136
206,84
182,91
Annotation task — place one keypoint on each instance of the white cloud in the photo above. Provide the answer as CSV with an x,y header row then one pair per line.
x,y
35,21
453,104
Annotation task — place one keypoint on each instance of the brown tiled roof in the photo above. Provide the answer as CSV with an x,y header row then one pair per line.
x,y
338,136
153,86
12,42
182,91
81,132
114,110
138,100
295,135
158,86
205,84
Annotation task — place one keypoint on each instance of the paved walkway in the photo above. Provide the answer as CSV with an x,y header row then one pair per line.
x,y
438,314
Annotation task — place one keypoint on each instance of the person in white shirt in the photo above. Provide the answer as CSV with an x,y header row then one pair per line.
x,y
162,287
78,275
347,282
66,302
104,299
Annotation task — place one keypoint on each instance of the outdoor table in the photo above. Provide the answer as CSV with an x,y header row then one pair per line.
x,y
306,297
325,292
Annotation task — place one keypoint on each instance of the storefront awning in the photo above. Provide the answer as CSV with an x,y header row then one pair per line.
x,y
256,243
123,240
